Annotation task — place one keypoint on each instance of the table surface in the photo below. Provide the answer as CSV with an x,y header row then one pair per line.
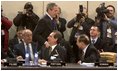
x,y
69,66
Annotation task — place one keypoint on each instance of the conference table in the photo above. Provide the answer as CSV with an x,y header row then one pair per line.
x,y
68,66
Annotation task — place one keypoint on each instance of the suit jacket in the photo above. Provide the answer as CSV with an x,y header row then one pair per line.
x,y
99,44
67,46
19,49
44,53
91,55
42,30
13,42
62,25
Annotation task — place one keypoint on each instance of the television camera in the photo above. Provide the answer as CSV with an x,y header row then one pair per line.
x,y
101,10
80,14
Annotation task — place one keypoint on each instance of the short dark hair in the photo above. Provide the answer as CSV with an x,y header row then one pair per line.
x,y
96,26
111,6
50,6
58,35
83,38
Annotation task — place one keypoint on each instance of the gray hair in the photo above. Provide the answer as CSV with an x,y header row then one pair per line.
x,y
26,31
50,6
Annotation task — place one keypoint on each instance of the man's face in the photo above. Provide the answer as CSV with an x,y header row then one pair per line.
x,y
27,37
51,39
111,12
54,11
94,31
19,34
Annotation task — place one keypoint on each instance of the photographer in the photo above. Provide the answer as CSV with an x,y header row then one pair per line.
x,y
108,26
26,19
81,25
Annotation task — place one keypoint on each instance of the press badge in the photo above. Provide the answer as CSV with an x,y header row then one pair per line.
x,y
3,33
109,33
80,28
109,30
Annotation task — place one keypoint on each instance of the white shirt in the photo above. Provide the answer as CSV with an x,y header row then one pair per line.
x,y
49,16
84,50
53,47
95,39
19,40
31,51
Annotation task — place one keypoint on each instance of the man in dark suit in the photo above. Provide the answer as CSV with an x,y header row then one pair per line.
x,y
20,49
95,38
79,26
89,53
17,38
45,25
53,52
70,57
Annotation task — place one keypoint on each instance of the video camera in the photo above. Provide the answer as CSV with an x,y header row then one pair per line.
x,y
80,14
101,10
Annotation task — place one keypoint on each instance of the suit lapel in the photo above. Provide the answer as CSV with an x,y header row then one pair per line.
x,y
23,49
16,41
54,51
48,21
87,51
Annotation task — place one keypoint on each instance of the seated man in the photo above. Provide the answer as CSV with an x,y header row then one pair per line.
x,y
95,38
20,49
89,52
53,51
17,38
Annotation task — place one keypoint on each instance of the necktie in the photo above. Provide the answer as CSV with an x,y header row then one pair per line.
x,y
93,41
30,52
27,48
54,26
82,56
50,50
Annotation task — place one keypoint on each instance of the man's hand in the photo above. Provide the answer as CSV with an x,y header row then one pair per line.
x,y
79,62
19,58
47,45
42,61
106,18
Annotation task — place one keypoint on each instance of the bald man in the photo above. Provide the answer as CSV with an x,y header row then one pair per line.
x,y
20,49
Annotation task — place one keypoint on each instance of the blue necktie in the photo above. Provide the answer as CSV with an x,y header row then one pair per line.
x,y
28,50
54,26
93,41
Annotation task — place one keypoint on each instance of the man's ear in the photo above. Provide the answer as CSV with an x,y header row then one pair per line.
x,y
56,39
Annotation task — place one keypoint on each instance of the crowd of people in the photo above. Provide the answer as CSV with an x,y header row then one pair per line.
x,y
46,36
